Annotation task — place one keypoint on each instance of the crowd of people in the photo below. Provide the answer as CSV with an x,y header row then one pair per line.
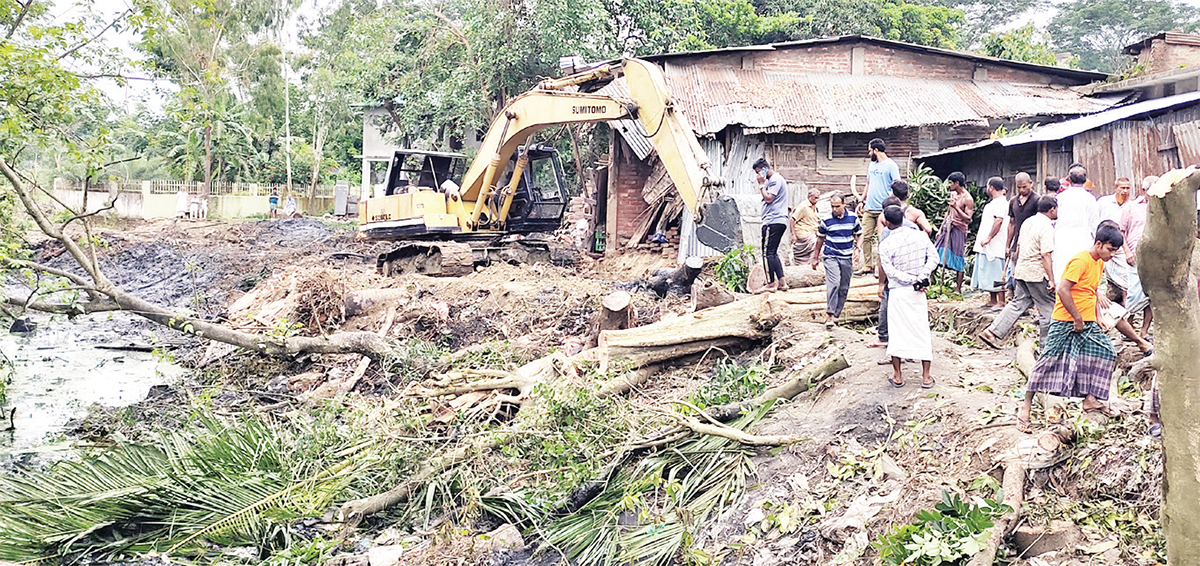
x,y
1049,252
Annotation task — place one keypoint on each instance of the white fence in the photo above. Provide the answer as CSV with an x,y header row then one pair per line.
x,y
220,188
157,198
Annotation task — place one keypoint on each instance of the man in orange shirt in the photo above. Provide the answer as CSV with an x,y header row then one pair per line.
x,y
1077,359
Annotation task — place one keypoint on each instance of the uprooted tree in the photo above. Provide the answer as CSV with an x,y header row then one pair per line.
x,y
1166,256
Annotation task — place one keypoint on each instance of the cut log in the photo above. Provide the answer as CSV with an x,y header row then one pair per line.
x,y
616,312
677,281
367,300
1014,493
707,293
749,319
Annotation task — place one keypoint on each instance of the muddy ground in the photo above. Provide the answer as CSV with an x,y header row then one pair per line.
x,y
948,438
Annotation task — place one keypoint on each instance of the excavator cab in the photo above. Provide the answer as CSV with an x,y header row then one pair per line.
x,y
539,202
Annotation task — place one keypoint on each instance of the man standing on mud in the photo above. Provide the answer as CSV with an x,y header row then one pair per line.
x,y
952,236
1077,359
907,258
881,173
1034,275
837,238
774,221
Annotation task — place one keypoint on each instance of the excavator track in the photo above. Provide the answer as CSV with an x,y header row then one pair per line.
x,y
447,259
454,259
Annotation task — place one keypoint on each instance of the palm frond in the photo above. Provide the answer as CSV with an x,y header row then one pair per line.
x,y
707,474
229,483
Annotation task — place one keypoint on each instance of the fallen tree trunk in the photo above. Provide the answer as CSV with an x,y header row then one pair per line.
x,y
750,319
1014,494
1047,450
103,291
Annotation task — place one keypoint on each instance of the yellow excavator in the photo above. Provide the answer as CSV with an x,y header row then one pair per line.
x,y
448,221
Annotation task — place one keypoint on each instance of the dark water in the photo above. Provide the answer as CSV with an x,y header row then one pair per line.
x,y
58,372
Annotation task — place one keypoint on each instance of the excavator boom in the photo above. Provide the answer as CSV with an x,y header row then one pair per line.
x,y
422,202
650,104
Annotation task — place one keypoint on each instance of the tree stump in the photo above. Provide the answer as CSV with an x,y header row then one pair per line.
x,y
616,311
679,280
708,293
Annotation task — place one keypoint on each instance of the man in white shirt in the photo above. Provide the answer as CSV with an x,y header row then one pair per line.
x,y
1078,216
907,258
1110,205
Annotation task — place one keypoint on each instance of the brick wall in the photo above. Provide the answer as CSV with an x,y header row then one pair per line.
x,y
1162,56
625,193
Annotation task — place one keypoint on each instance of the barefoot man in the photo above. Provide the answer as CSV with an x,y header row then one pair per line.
x,y
1077,359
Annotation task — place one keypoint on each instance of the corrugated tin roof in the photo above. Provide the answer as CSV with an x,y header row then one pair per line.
x,y
640,144
1062,130
1075,74
716,97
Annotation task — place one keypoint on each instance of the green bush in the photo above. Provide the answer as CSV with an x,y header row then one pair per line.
x,y
733,270
951,533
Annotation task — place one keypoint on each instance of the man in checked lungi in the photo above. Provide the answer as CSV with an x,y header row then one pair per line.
x,y
1078,359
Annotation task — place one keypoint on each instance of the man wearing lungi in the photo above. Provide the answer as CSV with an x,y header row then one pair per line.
x,y
908,259
952,237
990,249
1077,359
804,229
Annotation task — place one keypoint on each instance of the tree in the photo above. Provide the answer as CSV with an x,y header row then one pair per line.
x,y
204,46
1022,44
1097,30
1166,260
923,24
42,98
981,17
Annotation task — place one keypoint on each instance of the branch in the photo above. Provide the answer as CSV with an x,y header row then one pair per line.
x,y
72,50
25,264
20,18
69,309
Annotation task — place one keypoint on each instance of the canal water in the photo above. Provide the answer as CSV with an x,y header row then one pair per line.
x,y
58,371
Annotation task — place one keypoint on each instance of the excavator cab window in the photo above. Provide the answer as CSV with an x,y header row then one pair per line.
x,y
415,171
539,203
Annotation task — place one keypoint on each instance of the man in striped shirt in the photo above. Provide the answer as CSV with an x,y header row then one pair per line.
x,y
837,238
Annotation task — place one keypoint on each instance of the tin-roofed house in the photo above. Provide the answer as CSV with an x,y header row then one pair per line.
x,y
810,107
1155,126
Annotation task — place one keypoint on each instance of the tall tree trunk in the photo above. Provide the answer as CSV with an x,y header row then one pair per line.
x,y
1165,257
208,159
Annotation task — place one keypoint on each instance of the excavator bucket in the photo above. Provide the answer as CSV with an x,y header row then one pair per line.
x,y
719,224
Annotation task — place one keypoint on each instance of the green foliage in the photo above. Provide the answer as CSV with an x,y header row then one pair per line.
x,y
731,382
916,22
733,269
984,16
672,495
930,194
1098,30
222,482
1022,44
950,533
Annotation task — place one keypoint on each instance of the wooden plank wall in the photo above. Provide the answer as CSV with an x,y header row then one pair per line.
x,y
1094,150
